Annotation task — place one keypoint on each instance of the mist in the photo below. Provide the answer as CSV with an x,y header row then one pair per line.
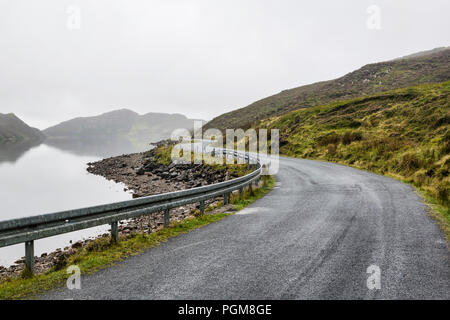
x,y
62,59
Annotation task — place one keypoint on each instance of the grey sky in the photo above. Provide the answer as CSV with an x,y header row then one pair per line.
x,y
199,58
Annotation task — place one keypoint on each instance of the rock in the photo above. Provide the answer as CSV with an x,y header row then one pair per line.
x,y
140,171
172,165
77,245
165,174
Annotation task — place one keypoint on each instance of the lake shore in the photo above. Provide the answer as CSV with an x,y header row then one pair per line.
x,y
142,175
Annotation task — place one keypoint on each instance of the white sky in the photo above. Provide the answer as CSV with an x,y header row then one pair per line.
x,y
199,58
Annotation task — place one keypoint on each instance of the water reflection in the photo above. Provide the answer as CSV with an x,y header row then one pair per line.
x,y
52,177
11,152
98,147
103,148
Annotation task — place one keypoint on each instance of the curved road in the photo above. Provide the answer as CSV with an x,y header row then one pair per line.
x,y
312,237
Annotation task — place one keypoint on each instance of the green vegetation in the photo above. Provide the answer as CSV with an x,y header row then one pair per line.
x,y
251,195
426,67
402,133
163,155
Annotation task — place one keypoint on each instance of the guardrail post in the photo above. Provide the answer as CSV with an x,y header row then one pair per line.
x,y
29,255
115,232
202,207
241,192
248,161
166,218
226,200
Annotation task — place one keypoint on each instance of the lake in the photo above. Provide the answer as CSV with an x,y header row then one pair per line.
x,y
49,178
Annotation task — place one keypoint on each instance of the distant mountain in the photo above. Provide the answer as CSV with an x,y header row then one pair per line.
x,y
424,67
12,129
123,123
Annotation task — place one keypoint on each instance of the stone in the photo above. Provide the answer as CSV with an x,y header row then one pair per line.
x,y
77,245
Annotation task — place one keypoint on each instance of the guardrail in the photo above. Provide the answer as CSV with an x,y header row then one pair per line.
x,y
26,230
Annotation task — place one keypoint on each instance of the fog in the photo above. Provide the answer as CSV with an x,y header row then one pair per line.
x,y
61,59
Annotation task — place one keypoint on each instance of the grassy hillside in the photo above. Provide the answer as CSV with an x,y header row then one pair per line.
x,y
425,67
12,129
404,133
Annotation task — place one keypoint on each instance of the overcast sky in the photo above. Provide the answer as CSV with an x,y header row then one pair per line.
x,y
199,58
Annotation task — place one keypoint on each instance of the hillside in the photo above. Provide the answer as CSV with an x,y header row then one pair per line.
x,y
124,123
12,129
404,133
424,67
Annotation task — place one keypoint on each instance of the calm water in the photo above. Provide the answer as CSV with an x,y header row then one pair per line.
x,y
44,179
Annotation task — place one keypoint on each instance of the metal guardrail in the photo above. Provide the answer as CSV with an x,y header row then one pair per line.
x,y
26,230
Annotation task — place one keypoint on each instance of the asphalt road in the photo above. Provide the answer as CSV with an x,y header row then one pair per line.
x,y
312,237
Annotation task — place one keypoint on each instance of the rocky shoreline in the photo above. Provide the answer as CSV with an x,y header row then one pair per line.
x,y
142,175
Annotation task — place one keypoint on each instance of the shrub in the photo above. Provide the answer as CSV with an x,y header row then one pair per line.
x,y
445,147
443,192
409,162
420,178
330,138
344,123
384,145
351,136
332,149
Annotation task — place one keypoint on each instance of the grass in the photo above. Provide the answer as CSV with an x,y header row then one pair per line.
x,y
401,133
101,253
163,155
251,195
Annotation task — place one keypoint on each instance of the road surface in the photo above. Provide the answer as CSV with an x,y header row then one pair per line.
x,y
313,237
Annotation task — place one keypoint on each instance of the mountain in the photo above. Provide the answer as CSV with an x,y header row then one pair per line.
x,y
115,123
120,124
11,152
12,129
424,67
404,133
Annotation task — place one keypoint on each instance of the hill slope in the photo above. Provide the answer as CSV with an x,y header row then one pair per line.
x,y
124,123
405,133
424,67
12,129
